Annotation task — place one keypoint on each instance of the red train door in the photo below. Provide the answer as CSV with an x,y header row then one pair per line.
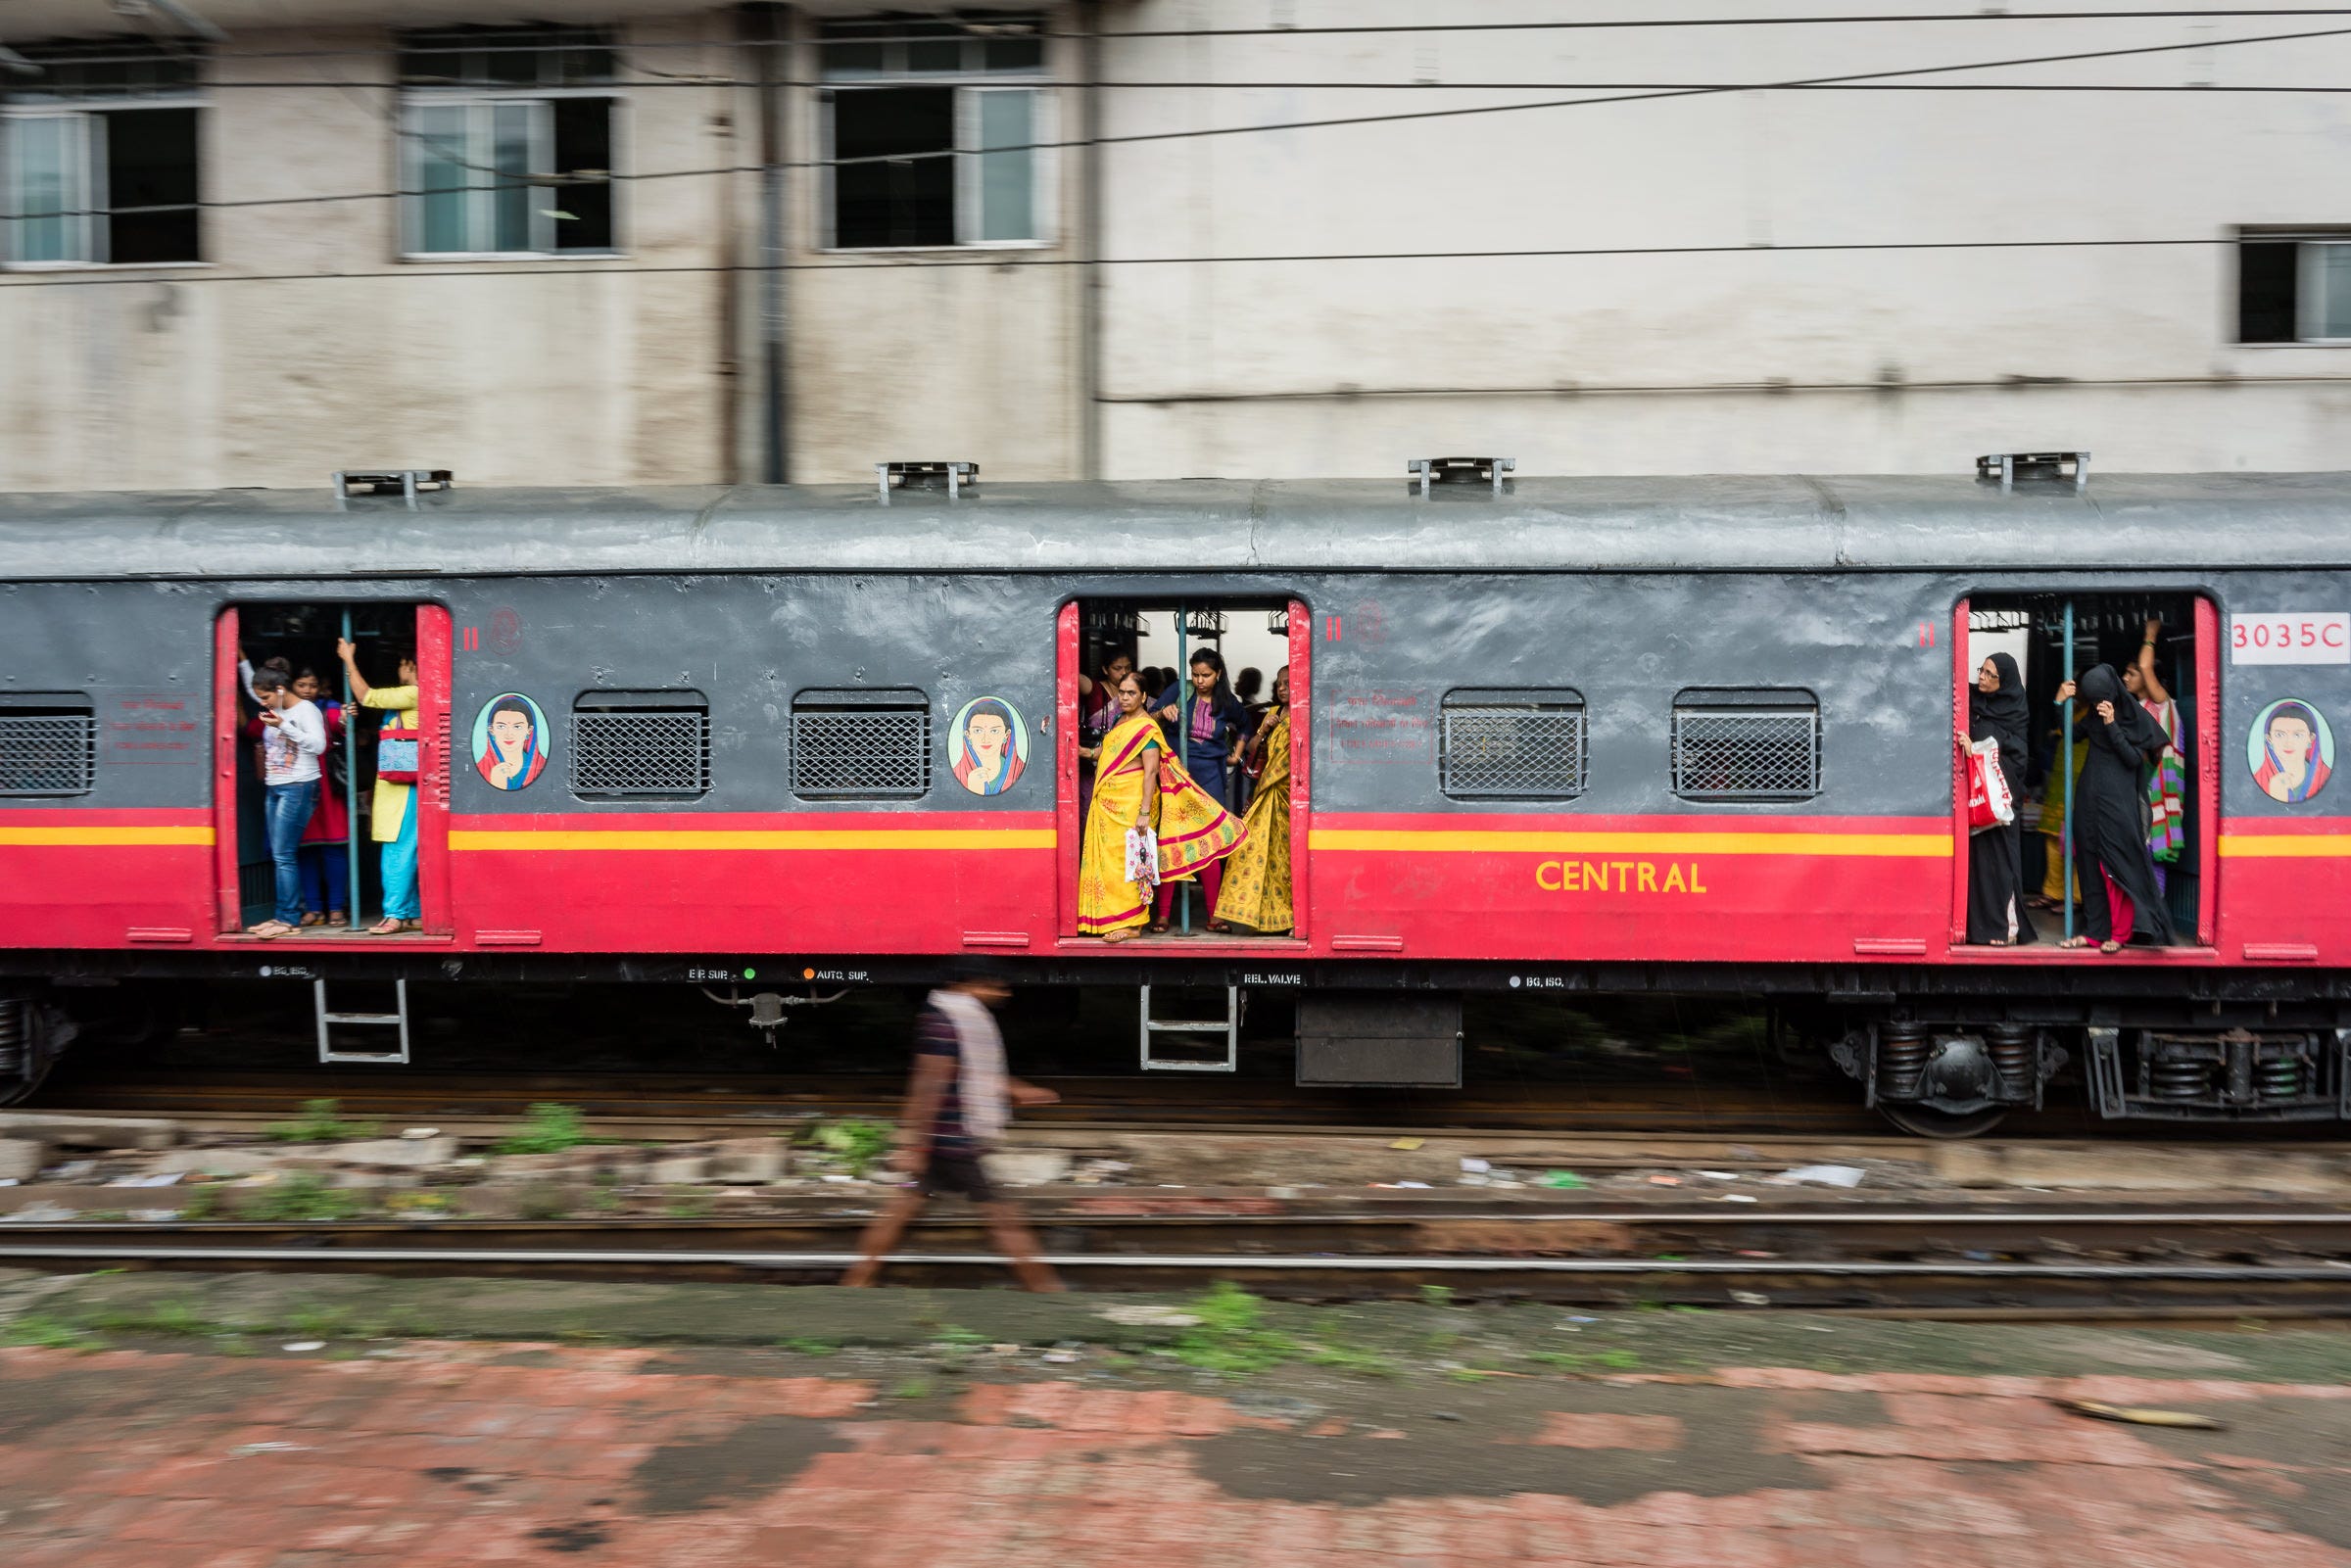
x,y
235,850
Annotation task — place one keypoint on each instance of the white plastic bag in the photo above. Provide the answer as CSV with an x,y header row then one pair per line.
x,y
1142,856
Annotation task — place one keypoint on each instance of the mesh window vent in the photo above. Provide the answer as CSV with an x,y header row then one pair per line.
x,y
640,746
48,747
1514,745
861,746
1759,745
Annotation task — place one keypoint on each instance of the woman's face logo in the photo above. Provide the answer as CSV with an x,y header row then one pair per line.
x,y
510,733
984,745
509,741
2290,739
989,733
2291,751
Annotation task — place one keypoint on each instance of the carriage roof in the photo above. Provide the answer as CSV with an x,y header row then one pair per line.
x,y
1726,523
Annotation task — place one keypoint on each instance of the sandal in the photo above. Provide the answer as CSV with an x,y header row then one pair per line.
x,y
2077,942
1159,927
387,926
1124,933
269,929
312,918
337,919
1220,926
2110,947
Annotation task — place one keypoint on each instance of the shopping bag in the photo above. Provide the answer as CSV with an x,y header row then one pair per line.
x,y
1142,856
396,756
1989,803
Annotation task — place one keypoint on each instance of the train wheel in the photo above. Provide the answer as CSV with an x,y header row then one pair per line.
x,y
1926,1121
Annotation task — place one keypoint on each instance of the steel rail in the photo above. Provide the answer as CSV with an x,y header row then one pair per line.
x,y
1209,1263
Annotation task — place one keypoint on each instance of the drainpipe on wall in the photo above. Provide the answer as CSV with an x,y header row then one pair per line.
x,y
1089,242
769,30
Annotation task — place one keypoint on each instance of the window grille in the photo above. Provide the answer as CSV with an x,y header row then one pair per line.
x,y
48,748
861,746
1514,745
640,746
1745,746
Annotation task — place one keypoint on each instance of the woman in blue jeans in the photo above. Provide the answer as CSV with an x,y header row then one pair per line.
x,y
293,740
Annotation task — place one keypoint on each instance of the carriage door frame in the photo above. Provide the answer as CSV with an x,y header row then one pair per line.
x,y
1069,829
430,802
1962,677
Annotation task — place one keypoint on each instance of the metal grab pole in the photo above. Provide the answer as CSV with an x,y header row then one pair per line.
x,y
351,791
1183,738
2065,763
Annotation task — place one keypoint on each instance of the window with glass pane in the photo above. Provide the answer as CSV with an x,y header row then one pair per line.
x,y
1006,162
48,182
473,160
920,160
2326,292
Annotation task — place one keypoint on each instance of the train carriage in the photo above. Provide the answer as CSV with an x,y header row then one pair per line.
x,y
1572,735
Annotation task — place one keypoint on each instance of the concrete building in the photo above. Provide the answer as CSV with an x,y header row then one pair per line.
x,y
665,240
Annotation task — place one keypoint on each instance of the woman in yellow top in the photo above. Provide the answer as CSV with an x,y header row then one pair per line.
x,y
1256,880
392,822
1137,784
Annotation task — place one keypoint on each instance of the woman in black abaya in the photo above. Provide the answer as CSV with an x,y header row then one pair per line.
x,y
2110,836
1996,865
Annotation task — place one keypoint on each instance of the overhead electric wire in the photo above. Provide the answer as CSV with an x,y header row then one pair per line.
x,y
1310,31
1204,132
426,266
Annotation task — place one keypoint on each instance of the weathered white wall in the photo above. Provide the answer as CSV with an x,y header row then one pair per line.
x,y
570,370
1661,363
1761,356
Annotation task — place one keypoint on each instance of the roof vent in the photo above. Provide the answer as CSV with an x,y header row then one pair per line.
x,y
2034,468
950,476
402,482
1461,471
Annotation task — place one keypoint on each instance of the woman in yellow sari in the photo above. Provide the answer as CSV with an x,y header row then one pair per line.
x,y
1137,784
1256,880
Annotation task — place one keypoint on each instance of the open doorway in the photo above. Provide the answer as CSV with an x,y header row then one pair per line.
x,y
1221,693
2164,647
282,685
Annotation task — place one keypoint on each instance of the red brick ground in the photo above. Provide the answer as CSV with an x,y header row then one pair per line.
x,y
454,1454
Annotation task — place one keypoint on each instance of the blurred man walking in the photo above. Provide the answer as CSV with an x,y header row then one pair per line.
x,y
957,1107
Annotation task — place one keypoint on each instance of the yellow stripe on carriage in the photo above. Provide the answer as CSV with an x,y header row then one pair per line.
x,y
740,838
97,838
1408,841
2297,846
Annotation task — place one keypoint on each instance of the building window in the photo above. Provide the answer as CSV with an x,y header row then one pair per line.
x,y
48,745
507,141
98,156
932,126
640,746
1512,744
1745,746
2295,287
861,746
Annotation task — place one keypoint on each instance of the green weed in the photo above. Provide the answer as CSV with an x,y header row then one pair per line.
x,y
48,1334
691,1205
855,1142
913,1388
204,1203
1228,1340
546,1128
320,1121
800,1346
301,1198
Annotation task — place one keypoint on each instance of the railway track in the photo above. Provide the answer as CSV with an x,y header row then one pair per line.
x,y
2060,1261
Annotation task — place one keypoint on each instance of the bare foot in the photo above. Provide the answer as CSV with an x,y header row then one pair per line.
x,y
1124,933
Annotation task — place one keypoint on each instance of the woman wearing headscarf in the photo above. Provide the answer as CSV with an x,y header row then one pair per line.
x,y
2110,833
1996,869
1257,882
2292,768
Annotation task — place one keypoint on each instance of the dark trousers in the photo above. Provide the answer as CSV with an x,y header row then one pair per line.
x,y
326,877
